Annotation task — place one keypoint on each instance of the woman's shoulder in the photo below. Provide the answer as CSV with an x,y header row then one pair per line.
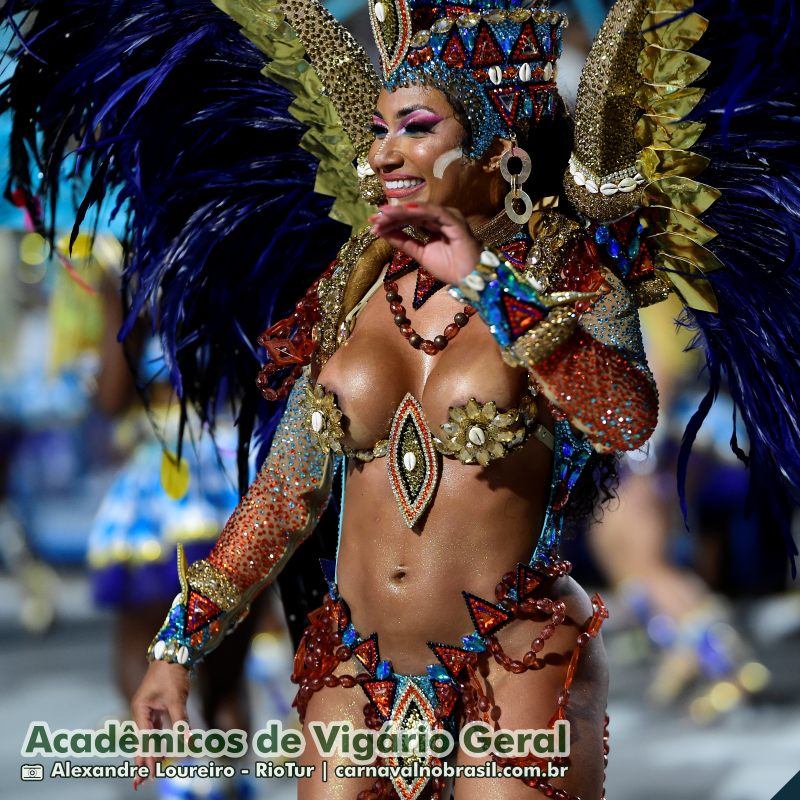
x,y
356,268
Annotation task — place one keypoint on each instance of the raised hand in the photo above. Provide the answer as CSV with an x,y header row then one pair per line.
x,y
451,251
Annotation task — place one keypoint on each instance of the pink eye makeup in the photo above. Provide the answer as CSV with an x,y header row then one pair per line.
x,y
418,121
378,127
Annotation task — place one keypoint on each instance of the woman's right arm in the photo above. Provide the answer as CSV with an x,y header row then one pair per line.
x,y
281,508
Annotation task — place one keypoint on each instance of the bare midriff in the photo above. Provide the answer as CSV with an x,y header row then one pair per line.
x,y
406,584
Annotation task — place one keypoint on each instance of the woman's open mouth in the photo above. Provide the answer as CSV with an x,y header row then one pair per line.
x,y
396,188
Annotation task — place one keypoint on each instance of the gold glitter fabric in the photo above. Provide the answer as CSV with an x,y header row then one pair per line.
x,y
673,198
342,64
281,507
355,259
205,578
334,84
605,150
632,140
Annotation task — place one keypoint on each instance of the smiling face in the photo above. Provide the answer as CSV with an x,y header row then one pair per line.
x,y
417,155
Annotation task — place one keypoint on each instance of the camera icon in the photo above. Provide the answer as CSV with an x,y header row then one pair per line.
x,y
32,772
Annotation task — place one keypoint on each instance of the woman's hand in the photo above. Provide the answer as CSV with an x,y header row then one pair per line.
x,y
450,253
164,690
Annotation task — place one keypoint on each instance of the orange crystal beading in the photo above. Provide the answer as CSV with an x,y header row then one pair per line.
x,y
612,399
281,507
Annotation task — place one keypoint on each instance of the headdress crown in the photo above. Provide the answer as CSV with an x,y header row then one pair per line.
x,y
497,58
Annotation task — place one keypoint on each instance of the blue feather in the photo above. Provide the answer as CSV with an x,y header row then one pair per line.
x,y
752,138
178,129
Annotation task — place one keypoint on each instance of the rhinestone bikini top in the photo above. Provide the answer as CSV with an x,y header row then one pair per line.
x,y
475,433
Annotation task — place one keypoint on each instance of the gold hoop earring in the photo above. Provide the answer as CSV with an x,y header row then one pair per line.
x,y
515,167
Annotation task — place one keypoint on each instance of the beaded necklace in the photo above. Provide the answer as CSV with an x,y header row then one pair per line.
x,y
498,230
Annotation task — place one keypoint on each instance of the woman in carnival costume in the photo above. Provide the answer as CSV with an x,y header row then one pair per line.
x,y
471,360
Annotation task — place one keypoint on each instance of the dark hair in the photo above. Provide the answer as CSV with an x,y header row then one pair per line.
x,y
594,489
549,144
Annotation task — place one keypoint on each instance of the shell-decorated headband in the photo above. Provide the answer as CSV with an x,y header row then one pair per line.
x,y
497,59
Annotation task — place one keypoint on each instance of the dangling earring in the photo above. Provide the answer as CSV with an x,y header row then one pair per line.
x,y
515,167
369,185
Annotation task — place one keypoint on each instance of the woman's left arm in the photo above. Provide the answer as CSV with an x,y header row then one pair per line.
x,y
579,337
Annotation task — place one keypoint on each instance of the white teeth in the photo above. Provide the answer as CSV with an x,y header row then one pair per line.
x,y
406,184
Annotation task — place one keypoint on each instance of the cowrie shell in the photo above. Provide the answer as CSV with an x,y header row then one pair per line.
x,y
489,259
475,282
477,435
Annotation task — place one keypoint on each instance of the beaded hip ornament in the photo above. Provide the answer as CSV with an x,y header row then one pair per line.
x,y
497,59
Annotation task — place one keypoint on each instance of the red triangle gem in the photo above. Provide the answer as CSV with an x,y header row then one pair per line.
x,y
454,54
527,581
381,695
643,266
516,251
486,51
446,695
424,17
542,101
341,615
283,352
199,611
486,617
425,287
506,101
453,659
622,227
526,48
367,652
401,264
521,316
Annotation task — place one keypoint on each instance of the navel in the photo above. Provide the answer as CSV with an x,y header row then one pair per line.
x,y
398,575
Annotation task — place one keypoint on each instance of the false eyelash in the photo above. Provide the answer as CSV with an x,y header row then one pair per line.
x,y
418,128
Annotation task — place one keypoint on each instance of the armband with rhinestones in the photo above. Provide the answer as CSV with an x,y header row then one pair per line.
x,y
527,323
207,607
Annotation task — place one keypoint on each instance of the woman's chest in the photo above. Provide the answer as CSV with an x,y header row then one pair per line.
x,y
374,369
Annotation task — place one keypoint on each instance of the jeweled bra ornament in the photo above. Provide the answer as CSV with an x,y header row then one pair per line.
x,y
497,59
